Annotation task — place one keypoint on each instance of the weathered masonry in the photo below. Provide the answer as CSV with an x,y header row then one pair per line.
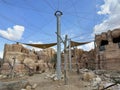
x,y
107,46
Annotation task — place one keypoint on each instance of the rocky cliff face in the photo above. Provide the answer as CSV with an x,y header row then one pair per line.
x,y
17,51
88,59
46,54
85,59
107,46
25,58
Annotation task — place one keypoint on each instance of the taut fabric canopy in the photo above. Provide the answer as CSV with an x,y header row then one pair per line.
x,y
78,43
43,46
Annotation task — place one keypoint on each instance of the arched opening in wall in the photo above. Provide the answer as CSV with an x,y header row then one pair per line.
x,y
117,40
38,57
86,65
37,68
102,45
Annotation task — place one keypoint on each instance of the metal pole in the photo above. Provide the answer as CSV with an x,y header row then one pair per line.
x,y
65,61
70,65
58,68
75,53
77,66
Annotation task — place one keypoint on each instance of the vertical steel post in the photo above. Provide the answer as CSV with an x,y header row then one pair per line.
x,y
65,61
70,65
58,68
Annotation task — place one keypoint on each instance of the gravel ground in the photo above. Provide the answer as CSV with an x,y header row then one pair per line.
x,y
74,83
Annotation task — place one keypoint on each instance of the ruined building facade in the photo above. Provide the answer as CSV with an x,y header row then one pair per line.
x,y
22,57
17,51
84,59
87,59
107,47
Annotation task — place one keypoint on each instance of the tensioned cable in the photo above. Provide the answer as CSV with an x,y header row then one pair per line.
x,y
37,27
77,36
75,9
34,8
27,8
50,5
73,13
76,14
58,5
11,20
80,17
73,24
31,35
30,25
85,39
112,23
8,39
68,21
66,7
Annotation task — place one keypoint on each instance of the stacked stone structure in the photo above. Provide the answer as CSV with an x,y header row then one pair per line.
x,y
106,54
17,51
85,59
107,46
25,59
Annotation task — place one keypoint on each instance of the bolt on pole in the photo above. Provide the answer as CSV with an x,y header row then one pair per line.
x,y
58,14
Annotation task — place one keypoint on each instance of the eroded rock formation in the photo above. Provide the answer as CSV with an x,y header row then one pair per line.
x,y
22,59
107,46
88,59
85,59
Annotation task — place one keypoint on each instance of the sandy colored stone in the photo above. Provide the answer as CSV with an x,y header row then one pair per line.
x,y
28,87
34,86
88,76
108,57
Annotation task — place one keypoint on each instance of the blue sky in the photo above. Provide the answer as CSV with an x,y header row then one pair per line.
x,y
33,21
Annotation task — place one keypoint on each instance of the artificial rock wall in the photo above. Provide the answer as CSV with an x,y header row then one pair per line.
x,y
33,59
107,46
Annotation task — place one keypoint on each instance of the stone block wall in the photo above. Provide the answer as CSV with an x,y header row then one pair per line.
x,y
24,58
107,46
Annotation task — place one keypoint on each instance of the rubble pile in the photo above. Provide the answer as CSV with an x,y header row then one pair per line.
x,y
53,76
13,84
100,79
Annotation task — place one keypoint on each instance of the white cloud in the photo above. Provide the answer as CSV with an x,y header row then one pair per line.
x,y
1,54
55,48
30,47
35,42
111,9
105,8
14,33
87,47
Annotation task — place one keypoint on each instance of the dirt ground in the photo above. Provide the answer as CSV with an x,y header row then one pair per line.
x,y
74,82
